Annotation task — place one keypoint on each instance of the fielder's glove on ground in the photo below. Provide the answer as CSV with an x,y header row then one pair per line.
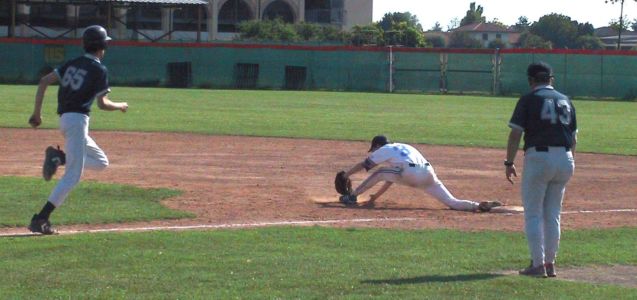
x,y
342,184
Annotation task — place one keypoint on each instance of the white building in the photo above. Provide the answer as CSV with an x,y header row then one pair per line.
x,y
171,19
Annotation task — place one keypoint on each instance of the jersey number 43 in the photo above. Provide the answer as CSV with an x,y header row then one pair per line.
x,y
554,110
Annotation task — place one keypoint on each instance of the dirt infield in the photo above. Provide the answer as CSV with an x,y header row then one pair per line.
x,y
242,180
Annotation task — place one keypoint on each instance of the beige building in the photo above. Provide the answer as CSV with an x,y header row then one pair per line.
x,y
226,14
171,19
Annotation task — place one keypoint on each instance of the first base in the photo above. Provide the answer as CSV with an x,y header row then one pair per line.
x,y
507,209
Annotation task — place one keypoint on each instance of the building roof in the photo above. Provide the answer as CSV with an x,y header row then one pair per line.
x,y
483,27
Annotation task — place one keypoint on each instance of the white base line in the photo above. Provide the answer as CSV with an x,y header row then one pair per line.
x,y
293,223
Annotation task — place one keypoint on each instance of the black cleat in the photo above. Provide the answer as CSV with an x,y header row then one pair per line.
x,y
42,226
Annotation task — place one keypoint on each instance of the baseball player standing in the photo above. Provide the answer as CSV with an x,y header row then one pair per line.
x,y
406,166
547,119
82,80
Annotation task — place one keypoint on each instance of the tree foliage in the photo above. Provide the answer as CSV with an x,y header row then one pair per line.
x,y
402,29
522,24
436,27
435,41
474,15
278,30
589,42
559,29
367,35
529,40
497,44
460,39
390,20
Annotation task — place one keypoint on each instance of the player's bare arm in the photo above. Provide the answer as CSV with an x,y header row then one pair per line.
x,y
36,117
106,104
355,169
512,149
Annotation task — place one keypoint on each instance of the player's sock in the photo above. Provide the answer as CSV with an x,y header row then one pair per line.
x,y
46,211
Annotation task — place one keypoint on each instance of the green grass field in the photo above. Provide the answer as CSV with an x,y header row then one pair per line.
x,y
291,262
89,203
605,127
301,263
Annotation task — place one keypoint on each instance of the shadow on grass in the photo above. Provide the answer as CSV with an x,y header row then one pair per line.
x,y
433,278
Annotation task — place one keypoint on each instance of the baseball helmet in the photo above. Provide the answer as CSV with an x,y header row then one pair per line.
x,y
379,140
95,38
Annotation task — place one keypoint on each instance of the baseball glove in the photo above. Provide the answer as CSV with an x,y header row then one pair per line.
x,y
342,184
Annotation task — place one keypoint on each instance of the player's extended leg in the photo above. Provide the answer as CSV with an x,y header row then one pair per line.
x,y
437,189
75,129
95,157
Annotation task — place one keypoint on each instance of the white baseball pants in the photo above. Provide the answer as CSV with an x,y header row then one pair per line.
x,y
81,152
420,177
543,184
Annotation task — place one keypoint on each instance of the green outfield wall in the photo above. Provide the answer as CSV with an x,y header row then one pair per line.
x,y
578,73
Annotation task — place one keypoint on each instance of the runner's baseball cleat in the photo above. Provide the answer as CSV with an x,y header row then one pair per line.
x,y
42,226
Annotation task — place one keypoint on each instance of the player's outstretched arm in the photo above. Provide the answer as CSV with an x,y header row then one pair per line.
x,y
355,169
106,104
36,117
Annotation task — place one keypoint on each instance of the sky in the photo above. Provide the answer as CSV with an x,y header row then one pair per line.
x,y
596,12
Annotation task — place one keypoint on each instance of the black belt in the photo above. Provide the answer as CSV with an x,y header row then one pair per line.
x,y
546,148
415,165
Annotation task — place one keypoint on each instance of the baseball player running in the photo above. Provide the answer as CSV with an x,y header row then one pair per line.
x,y
405,165
82,80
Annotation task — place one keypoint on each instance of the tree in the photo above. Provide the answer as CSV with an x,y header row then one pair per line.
x,y
497,44
558,29
589,42
532,41
270,30
585,29
402,29
460,39
436,28
634,26
522,24
435,41
453,24
367,35
474,15
390,20
620,26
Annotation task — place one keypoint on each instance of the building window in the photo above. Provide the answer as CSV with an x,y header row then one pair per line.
x,y
48,15
279,9
91,15
147,17
5,8
186,18
498,36
231,14
485,36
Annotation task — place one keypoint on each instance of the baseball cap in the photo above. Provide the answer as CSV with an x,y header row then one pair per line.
x,y
540,71
379,140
